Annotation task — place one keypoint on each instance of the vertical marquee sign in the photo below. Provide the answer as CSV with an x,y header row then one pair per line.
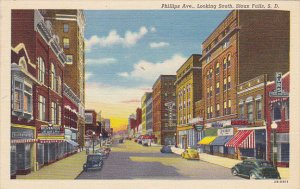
x,y
278,92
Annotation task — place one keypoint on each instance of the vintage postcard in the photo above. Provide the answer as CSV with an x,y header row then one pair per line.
x,y
149,94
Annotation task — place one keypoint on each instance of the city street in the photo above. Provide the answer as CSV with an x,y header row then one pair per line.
x,y
133,161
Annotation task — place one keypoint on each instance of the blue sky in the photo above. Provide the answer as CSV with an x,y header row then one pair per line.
x,y
128,50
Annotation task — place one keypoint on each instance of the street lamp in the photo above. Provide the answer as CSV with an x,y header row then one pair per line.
x,y
274,127
93,137
100,139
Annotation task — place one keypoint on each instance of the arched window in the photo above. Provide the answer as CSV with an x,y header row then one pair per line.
x,y
41,70
228,60
217,68
224,63
228,82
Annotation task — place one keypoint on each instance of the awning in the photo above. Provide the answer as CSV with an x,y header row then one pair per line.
x,y
221,140
50,141
72,142
242,139
19,141
207,140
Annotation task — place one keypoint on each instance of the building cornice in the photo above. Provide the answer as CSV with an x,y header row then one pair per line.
x,y
186,73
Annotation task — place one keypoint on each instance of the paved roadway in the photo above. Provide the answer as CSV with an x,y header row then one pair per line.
x,y
133,161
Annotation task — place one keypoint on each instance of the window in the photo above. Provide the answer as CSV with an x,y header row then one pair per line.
x,y
208,112
258,110
277,112
66,28
53,78
226,44
207,92
218,110
250,111
225,108
42,108
224,63
229,107
41,70
211,111
224,85
27,105
218,88
287,110
54,113
59,89
207,58
210,72
18,96
228,60
66,43
69,59
207,75
217,68
228,83
210,93
241,111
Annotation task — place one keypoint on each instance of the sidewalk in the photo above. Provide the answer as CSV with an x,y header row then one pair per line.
x,y
68,168
227,162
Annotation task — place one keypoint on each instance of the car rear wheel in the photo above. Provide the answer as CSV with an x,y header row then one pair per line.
x,y
234,172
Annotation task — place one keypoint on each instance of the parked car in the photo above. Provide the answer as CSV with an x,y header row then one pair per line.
x,y
104,153
255,169
190,154
166,149
121,140
139,139
93,161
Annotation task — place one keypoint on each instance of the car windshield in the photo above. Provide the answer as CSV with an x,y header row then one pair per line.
x,y
93,158
264,164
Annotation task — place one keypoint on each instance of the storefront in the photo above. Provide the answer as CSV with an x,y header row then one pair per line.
x,y
51,145
22,149
283,149
219,148
205,144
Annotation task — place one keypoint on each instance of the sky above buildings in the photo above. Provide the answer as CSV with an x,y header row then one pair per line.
x,y
126,51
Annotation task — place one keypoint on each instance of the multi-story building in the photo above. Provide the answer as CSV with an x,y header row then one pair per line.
x,y
164,109
144,111
69,26
91,125
37,95
132,125
188,92
107,124
246,44
278,120
149,119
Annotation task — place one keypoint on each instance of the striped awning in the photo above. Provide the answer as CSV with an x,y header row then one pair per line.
x,y
19,141
242,139
207,140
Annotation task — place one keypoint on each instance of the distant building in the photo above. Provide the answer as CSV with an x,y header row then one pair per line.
x,y
164,109
149,116
144,111
91,125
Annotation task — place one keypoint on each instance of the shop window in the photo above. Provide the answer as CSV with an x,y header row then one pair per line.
x,y
250,111
258,110
66,42
66,28
285,152
41,70
218,88
277,112
42,108
217,68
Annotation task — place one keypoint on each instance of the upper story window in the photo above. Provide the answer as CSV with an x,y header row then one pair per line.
x,y
250,111
210,93
66,28
224,63
229,107
22,97
69,59
218,110
225,84
53,78
41,70
54,113
228,82
241,110
42,108
208,58
229,60
225,108
66,42
217,68
210,73
276,112
218,88
207,92
258,109
207,75
59,84
226,44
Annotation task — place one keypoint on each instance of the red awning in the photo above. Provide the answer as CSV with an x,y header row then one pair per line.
x,y
242,139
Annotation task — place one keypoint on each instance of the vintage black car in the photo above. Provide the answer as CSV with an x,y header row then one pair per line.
x,y
93,161
255,169
166,149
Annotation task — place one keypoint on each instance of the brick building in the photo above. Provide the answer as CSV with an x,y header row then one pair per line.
x,y
188,92
69,26
164,115
91,125
246,44
149,115
144,111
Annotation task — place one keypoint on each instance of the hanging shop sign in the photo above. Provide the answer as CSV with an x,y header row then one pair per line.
x,y
47,130
278,92
225,132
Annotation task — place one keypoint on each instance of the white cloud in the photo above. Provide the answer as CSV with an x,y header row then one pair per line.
x,y
101,61
150,71
88,75
113,38
123,74
158,45
153,29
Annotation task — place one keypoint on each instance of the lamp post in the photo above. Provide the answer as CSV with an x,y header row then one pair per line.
x,y
274,127
100,139
175,135
93,138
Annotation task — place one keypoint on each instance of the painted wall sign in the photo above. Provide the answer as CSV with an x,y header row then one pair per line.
x,y
21,133
239,122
